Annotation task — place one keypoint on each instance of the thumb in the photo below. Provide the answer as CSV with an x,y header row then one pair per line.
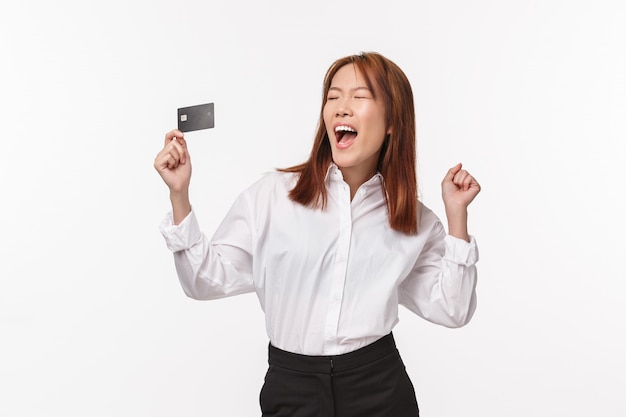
x,y
452,172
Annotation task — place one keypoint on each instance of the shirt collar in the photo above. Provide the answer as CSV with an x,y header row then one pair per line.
x,y
333,173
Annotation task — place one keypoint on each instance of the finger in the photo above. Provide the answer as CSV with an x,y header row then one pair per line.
x,y
172,134
452,172
475,185
459,178
164,161
178,145
161,157
470,184
171,161
467,182
173,154
175,148
181,145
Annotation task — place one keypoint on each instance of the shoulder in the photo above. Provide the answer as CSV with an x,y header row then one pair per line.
x,y
272,184
428,221
274,179
424,214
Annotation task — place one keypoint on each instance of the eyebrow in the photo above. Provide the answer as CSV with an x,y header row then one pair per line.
x,y
352,89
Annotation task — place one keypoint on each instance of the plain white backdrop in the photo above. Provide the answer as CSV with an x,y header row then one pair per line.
x,y
530,95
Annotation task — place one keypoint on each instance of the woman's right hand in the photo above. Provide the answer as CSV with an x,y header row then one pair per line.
x,y
173,162
174,165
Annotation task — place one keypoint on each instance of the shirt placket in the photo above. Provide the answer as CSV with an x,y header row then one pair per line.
x,y
340,268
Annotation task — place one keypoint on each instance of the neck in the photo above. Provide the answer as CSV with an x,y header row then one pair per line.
x,y
355,177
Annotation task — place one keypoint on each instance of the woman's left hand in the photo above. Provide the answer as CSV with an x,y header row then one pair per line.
x,y
458,188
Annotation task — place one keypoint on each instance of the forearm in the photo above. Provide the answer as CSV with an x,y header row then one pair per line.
x,y
457,223
181,206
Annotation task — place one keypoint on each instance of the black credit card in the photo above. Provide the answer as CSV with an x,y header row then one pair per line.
x,y
197,117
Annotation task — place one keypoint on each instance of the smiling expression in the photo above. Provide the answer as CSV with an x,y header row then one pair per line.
x,y
355,124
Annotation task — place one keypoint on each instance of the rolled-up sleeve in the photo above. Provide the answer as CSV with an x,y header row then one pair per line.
x,y
182,236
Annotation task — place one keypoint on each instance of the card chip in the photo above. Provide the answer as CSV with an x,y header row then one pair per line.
x,y
183,117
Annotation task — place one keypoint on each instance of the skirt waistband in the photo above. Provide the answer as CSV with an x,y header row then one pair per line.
x,y
337,363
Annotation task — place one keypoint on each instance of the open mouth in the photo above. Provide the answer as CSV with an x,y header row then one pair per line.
x,y
345,135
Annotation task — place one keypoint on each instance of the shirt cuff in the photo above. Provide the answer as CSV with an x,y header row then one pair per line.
x,y
461,252
182,236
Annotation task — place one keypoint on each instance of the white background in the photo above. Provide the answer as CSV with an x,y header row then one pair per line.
x,y
530,95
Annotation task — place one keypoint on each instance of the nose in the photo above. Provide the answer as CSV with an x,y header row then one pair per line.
x,y
343,108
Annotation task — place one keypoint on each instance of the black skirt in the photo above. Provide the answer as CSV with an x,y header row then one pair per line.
x,y
371,381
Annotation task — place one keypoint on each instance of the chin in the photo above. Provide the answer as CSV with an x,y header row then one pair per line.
x,y
343,162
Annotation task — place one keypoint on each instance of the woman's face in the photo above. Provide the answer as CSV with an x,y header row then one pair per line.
x,y
355,123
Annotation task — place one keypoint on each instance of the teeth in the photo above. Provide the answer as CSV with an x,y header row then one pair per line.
x,y
344,129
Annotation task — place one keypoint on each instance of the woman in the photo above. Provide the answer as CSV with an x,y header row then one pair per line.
x,y
332,247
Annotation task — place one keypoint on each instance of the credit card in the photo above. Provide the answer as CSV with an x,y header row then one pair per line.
x,y
196,117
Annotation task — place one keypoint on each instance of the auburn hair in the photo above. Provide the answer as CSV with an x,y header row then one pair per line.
x,y
397,161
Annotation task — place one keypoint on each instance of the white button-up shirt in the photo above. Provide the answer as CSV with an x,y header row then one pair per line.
x,y
329,281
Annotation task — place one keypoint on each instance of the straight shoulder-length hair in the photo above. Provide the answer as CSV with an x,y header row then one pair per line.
x,y
397,160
